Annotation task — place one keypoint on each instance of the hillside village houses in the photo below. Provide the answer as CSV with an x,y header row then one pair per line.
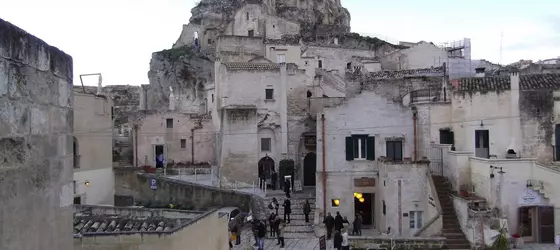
x,y
373,128
418,138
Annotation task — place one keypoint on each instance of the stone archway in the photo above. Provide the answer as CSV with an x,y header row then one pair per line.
x,y
309,169
266,165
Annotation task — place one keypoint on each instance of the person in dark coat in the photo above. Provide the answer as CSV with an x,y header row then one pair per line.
x,y
275,205
337,241
287,210
357,230
255,229
287,188
329,223
274,179
338,222
261,233
306,210
272,222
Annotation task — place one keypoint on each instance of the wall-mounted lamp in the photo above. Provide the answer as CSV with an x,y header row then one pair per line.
x,y
500,171
529,184
86,183
481,123
377,174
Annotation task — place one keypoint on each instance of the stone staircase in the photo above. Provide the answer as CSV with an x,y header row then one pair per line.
x,y
298,228
452,231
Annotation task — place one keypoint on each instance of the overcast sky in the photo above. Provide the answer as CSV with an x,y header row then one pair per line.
x,y
117,37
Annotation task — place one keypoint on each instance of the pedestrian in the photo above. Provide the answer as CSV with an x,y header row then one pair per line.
x,y
235,229
281,229
358,220
557,240
255,229
262,181
345,245
160,161
273,179
287,210
345,223
275,204
337,241
306,210
329,223
338,222
272,222
261,233
287,188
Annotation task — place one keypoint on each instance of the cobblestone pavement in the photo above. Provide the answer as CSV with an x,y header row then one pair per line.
x,y
247,240
540,247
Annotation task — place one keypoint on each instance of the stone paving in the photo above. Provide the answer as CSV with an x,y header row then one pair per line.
x,y
247,240
539,247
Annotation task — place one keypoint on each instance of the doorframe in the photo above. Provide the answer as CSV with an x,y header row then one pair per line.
x,y
165,159
304,168
373,210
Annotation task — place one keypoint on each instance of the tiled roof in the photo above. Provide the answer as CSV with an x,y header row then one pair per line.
x,y
526,82
86,223
433,71
251,66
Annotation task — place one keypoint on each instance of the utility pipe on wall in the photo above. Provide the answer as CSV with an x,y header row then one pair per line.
x,y
414,118
323,138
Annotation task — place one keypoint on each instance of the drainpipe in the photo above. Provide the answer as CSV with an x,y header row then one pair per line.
x,y
135,129
324,164
198,126
414,121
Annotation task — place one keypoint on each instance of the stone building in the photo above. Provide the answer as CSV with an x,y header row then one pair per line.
x,y
36,107
93,149
181,138
101,227
372,144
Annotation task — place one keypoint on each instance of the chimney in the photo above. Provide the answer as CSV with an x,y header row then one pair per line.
x,y
480,72
515,123
99,85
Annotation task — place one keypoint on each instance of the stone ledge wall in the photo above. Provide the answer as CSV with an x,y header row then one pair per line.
x,y
362,242
36,121
131,182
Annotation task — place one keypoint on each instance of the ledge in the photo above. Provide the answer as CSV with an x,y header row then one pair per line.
x,y
502,160
460,152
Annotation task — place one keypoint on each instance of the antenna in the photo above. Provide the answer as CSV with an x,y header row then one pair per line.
x,y
501,44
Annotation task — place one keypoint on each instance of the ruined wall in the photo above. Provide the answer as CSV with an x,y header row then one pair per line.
x,y
152,130
336,58
36,118
537,123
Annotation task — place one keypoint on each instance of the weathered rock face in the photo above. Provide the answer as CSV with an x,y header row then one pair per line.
x,y
187,72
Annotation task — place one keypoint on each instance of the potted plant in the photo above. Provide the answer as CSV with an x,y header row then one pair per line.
x,y
517,239
149,169
501,241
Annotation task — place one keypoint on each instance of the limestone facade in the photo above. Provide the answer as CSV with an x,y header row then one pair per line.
x,y
36,117
93,149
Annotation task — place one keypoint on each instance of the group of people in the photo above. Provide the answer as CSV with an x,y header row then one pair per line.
x,y
340,225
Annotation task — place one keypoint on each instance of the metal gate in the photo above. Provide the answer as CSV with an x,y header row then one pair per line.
x,y
436,160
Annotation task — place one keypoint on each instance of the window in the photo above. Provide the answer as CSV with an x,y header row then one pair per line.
x,y
320,64
415,218
394,150
183,143
281,58
251,33
269,94
349,65
266,144
112,113
212,98
446,136
360,147
169,123
247,14
234,214
335,202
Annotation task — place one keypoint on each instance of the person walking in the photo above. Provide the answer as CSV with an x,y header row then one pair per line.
x,y
271,223
357,227
329,224
255,229
344,244
274,179
287,188
287,210
275,204
261,233
338,222
337,241
345,223
281,229
306,210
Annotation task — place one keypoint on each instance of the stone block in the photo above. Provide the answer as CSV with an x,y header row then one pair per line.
x,y
40,120
4,78
65,93
38,55
18,87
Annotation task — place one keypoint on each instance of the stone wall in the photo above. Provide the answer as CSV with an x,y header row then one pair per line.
x,y
537,116
36,117
131,182
400,243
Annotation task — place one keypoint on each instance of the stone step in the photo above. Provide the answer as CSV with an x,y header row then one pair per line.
x,y
454,236
453,230
458,246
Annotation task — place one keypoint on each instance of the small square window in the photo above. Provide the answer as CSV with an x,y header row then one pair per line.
x,y
251,33
335,202
266,144
280,58
183,143
415,219
169,123
269,94
395,150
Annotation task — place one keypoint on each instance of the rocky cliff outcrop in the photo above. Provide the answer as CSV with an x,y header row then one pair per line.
x,y
186,72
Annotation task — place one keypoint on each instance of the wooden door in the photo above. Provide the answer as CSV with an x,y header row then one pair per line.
x,y
546,224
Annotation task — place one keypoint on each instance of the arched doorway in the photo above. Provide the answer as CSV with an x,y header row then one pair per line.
x,y
309,169
266,165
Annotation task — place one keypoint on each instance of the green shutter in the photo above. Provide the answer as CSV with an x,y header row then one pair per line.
x,y
349,148
370,148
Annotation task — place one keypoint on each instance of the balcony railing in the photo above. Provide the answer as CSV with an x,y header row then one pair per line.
x,y
428,95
